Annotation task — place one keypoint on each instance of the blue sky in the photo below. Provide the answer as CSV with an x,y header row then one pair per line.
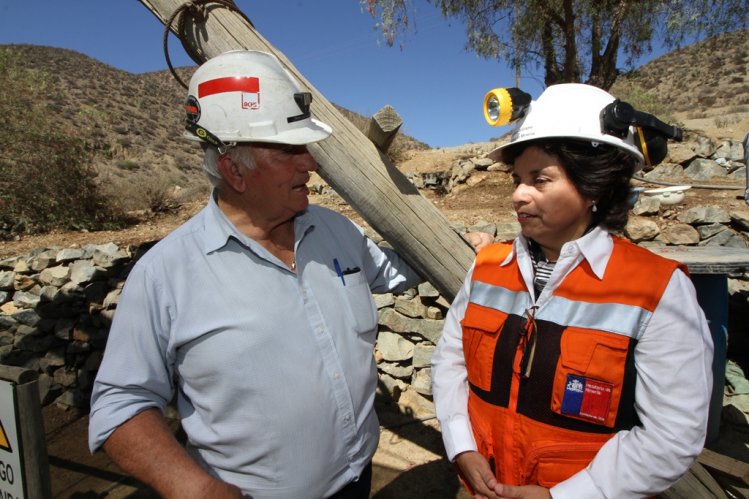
x,y
432,81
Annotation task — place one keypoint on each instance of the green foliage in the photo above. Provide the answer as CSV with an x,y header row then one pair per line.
x,y
46,179
572,40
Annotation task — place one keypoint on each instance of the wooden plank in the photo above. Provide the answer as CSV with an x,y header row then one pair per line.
x,y
707,259
363,176
725,464
35,459
706,479
695,484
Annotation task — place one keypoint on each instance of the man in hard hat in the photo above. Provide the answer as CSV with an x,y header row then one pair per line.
x,y
574,363
257,314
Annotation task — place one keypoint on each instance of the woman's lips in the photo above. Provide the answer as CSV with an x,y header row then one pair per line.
x,y
524,217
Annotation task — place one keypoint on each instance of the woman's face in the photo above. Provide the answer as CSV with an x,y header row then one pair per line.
x,y
549,208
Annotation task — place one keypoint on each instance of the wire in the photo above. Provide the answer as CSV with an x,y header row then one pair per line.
x,y
694,186
197,10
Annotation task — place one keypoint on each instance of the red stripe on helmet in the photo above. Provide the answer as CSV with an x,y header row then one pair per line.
x,y
229,84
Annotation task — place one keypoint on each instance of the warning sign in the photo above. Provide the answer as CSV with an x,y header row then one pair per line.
x,y
11,472
4,444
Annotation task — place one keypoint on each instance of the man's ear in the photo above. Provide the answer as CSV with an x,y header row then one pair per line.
x,y
233,173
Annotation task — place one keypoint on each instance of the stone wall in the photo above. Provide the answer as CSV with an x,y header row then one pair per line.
x,y
56,304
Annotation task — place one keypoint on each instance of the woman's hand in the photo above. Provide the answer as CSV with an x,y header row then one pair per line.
x,y
522,492
475,470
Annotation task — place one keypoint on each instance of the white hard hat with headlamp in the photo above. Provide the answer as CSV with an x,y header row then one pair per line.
x,y
580,112
247,96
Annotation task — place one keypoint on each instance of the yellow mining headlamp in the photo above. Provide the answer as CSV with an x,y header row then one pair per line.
x,y
505,105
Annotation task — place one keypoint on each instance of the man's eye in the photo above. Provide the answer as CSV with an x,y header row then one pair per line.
x,y
293,150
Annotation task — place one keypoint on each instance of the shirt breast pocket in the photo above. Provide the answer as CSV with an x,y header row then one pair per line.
x,y
360,303
589,378
481,327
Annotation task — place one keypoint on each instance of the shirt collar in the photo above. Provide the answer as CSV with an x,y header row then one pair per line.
x,y
595,247
219,229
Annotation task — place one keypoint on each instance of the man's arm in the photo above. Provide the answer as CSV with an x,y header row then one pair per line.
x,y
145,448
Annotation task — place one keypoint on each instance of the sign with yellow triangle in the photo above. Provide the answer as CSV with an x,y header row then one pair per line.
x,y
4,443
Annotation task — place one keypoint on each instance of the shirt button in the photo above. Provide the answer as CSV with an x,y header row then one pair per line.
x,y
337,376
347,418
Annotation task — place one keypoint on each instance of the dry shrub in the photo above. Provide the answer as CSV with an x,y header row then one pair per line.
x,y
46,177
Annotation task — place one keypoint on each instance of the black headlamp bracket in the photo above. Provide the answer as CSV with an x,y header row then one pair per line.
x,y
303,100
617,117
651,133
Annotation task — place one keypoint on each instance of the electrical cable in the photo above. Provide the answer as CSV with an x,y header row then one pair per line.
x,y
694,186
198,11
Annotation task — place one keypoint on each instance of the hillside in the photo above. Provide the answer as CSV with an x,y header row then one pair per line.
x,y
135,121
703,86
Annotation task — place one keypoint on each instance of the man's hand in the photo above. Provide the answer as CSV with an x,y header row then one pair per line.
x,y
217,489
521,492
479,239
475,470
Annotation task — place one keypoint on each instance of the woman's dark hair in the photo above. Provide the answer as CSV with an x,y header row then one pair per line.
x,y
598,171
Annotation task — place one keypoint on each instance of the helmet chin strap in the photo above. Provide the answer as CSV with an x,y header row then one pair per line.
x,y
204,134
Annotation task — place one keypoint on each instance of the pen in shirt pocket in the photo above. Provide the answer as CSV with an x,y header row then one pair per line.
x,y
338,270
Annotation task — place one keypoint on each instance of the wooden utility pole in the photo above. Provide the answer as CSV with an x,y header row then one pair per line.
x,y
349,162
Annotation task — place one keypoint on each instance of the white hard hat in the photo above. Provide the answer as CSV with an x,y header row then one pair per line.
x,y
247,96
574,111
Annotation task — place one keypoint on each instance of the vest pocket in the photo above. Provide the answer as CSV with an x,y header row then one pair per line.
x,y
480,333
589,376
549,464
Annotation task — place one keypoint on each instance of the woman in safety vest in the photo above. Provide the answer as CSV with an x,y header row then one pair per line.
x,y
574,363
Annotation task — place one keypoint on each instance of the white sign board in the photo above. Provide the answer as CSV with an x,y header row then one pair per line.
x,y
11,473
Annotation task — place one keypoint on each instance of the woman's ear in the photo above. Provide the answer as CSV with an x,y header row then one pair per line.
x,y
233,173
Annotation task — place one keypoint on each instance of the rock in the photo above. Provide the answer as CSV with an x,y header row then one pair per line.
x,y
394,347
680,234
704,215
703,169
640,229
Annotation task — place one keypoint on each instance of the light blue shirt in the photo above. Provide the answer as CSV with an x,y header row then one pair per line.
x,y
274,370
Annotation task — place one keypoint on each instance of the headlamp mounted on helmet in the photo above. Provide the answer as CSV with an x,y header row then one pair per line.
x,y
618,120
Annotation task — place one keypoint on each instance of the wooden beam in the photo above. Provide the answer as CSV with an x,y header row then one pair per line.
x,y
363,176
383,128
725,464
697,483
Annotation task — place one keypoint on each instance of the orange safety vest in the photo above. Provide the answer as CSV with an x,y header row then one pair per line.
x,y
577,350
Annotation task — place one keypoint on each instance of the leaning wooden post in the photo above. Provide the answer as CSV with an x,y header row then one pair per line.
x,y
363,176
383,128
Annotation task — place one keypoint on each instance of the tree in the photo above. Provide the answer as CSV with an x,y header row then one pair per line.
x,y
573,40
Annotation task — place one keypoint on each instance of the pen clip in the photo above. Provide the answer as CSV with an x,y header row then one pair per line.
x,y
338,270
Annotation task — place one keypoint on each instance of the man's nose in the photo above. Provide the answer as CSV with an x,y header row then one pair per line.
x,y
307,162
